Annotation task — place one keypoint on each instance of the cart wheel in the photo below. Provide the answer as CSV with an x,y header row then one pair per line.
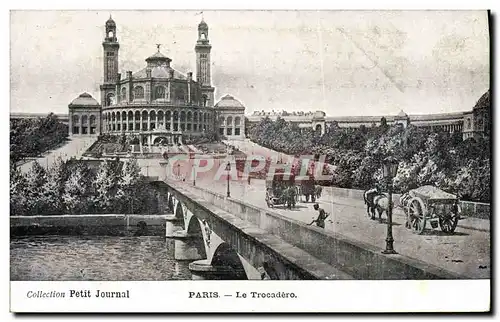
x,y
448,224
416,215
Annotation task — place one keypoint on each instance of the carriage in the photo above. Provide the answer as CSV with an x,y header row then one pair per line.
x,y
433,205
281,190
305,186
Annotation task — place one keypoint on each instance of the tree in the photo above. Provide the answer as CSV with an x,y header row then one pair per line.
x,y
18,193
36,181
76,195
106,186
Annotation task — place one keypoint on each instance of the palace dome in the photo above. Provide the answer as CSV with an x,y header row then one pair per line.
x,y
229,102
85,99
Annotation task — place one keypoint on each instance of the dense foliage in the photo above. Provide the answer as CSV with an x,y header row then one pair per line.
x,y
437,158
31,137
77,187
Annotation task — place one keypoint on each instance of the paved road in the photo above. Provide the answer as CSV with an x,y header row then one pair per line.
x,y
463,252
75,147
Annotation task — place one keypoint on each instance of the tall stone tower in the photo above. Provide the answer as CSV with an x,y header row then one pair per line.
x,y
110,47
203,75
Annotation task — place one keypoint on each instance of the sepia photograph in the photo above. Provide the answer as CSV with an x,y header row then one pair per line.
x,y
326,145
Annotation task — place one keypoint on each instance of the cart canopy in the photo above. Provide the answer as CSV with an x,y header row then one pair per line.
x,y
431,193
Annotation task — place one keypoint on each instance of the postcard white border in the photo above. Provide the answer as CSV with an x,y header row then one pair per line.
x,y
245,296
389,295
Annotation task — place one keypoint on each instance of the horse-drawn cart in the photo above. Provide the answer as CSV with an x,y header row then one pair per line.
x,y
281,190
431,204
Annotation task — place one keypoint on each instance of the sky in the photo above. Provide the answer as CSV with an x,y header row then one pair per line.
x,y
346,63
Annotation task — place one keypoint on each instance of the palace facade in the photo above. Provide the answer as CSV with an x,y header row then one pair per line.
x,y
157,103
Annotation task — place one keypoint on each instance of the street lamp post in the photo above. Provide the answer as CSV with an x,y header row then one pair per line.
x,y
390,168
166,168
194,174
228,168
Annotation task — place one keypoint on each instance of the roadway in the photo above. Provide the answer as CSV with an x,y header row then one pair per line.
x,y
466,252
75,147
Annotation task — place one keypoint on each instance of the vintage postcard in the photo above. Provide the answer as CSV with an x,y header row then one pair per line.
x,y
250,161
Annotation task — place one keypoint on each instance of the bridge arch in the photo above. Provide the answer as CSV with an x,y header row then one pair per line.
x,y
225,256
179,213
170,202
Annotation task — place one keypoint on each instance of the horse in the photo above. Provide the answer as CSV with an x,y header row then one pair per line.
x,y
380,205
289,195
378,202
369,200
317,191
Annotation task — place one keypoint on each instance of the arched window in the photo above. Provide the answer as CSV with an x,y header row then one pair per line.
x,y
204,100
85,119
168,115
229,121
92,124
183,116
76,119
189,116
110,99
159,92
124,116
113,116
237,121
138,92
124,93
110,34
469,124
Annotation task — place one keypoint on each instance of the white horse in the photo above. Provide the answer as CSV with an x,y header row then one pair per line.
x,y
380,205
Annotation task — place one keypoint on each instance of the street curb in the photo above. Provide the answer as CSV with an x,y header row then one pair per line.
x,y
474,228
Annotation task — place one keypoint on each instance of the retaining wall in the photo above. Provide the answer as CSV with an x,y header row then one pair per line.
x,y
107,225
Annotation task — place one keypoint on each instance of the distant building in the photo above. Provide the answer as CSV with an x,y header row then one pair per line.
x,y
471,124
84,116
477,123
231,120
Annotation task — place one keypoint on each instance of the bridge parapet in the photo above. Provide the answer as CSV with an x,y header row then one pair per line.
x,y
259,247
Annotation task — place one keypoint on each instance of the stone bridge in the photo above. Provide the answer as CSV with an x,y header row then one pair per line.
x,y
223,246
228,239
